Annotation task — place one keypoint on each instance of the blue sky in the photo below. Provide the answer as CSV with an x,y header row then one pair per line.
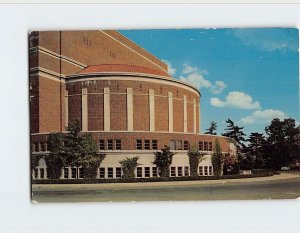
x,y
247,75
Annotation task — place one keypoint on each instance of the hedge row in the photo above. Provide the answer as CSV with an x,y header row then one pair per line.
x,y
152,179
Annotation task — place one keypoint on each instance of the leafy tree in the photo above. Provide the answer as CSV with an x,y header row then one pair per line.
x,y
73,149
246,161
211,130
163,161
282,140
230,164
217,159
195,157
55,160
235,132
128,166
255,148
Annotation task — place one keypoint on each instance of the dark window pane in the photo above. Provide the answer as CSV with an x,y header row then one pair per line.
x,y
102,172
139,144
147,171
101,145
118,172
110,172
139,171
147,145
110,144
118,144
154,144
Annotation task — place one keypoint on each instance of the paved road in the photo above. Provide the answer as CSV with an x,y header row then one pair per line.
x,y
280,187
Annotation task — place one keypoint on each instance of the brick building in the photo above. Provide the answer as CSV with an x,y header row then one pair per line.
x,y
121,94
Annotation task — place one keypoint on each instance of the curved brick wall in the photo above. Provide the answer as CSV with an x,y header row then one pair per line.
x,y
118,86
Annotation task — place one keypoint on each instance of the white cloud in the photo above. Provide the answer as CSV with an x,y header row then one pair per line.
x,y
263,116
197,80
171,69
218,87
236,99
196,76
217,103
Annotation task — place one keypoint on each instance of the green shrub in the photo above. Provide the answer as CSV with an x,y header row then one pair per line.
x,y
152,179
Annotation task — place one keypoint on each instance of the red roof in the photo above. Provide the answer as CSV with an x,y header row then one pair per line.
x,y
103,68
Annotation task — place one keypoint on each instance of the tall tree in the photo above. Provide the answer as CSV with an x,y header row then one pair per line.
x,y
73,149
255,148
212,129
235,132
163,161
282,140
217,159
55,160
195,157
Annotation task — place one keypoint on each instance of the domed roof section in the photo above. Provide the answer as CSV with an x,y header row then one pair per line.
x,y
122,68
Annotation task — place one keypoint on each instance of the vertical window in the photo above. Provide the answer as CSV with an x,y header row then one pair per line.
x,y
141,87
110,172
210,146
34,147
172,145
139,171
179,145
110,144
36,173
102,172
66,173
43,146
147,145
206,146
200,171
179,172
118,172
154,144
173,171
186,171
147,171
210,170
118,144
139,144
206,170
74,172
42,173
185,145
200,145
38,147
101,144
80,173
154,171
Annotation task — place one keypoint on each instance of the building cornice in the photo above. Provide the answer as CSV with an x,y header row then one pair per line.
x,y
57,56
40,71
155,132
128,76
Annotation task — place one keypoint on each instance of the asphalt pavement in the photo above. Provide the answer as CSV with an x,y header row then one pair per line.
x,y
284,186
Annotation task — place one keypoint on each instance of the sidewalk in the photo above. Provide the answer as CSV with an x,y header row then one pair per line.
x,y
145,185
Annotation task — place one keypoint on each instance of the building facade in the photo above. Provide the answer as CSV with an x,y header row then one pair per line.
x,y
121,94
